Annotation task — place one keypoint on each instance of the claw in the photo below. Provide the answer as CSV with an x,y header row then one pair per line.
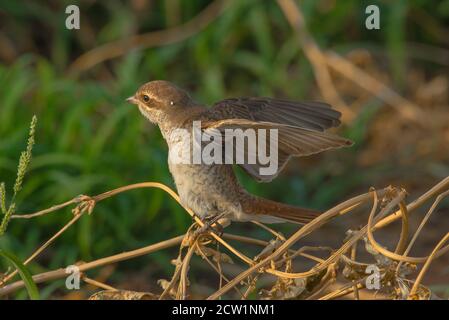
x,y
211,223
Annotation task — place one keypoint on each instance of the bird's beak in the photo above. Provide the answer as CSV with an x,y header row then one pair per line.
x,y
132,100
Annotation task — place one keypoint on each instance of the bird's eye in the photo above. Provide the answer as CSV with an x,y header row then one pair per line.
x,y
146,98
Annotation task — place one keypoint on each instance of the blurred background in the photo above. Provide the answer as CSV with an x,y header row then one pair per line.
x,y
89,140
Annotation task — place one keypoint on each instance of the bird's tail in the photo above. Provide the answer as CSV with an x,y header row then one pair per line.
x,y
269,211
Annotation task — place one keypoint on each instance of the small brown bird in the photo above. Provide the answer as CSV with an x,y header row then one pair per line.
x,y
212,191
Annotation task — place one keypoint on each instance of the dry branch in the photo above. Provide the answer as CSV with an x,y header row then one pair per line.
x,y
322,61
277,254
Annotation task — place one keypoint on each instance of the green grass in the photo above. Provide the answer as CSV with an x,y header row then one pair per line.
x,y
8,209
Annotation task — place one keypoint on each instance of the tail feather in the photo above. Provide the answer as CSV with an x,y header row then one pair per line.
x,y
260,207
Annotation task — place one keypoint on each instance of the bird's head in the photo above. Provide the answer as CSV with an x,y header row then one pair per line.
x,y
158,99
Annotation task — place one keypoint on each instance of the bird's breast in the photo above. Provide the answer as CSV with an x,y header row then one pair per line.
x,y
204,188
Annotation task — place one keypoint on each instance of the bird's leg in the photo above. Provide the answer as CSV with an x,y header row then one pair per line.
x,y
208,222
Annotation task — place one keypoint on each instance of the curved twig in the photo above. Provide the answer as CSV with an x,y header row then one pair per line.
x,y
388,253
426,266
306,229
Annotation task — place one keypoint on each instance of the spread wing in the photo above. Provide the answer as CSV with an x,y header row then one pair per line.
x,y
300,127
310,115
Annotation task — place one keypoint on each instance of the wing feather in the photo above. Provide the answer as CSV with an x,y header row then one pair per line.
x,y
301,126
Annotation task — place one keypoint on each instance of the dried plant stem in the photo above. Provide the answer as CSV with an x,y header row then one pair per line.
x,y
251,286
404,229
426,266
300,252
421,225
91,201
97,283
306,229
315,56
338,253
327,280
403,106
345,290
265,243
278,257
53,238
353,257
152,39
171,285
388,253
176,197
43,247
322,61
182,291
270,230
232,249
216,268
46,211
85,203
439,188
61,273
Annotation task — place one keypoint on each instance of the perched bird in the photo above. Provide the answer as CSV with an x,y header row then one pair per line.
x,y
212,191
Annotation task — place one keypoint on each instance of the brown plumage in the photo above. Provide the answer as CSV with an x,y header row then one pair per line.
x,y
261,206
213,189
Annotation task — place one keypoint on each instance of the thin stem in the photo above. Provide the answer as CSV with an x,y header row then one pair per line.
x,y
98,284
426,266
61,273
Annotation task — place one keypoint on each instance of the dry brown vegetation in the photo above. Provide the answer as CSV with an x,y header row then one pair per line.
x,y
338,274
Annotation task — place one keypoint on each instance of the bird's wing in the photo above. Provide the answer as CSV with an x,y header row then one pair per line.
x,y
309,115
292,141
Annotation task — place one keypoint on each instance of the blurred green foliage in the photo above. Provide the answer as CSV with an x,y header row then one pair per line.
x,y
89,140
8,209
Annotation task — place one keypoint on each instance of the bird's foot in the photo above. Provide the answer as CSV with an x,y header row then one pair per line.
x,y
212,224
